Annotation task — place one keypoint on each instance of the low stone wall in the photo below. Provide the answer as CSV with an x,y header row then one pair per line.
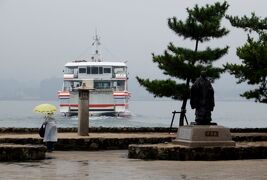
x,y
248,130
123,130
105,143
110,143
155,152
66,144
21,141
14,152
251,138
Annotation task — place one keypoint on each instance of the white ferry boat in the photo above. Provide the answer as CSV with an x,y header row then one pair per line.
x,y
110,93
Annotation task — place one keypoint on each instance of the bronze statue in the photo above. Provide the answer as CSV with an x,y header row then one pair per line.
x,y
202,99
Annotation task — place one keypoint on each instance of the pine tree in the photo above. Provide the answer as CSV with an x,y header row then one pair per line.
x,y
184,65
253,54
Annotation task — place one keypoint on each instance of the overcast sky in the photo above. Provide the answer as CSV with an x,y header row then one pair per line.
x,y
37,37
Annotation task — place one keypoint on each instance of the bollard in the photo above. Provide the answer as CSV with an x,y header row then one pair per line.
x,y
83,111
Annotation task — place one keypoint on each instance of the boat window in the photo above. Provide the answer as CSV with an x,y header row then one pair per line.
x,y
88,70
67,86
69,70
82,70
77,84
102,85
119,85
107,70
118,70
100,70
75,72
94,70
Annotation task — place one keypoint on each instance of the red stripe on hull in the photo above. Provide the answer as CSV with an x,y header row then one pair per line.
x,y
68,78
120,95
94,105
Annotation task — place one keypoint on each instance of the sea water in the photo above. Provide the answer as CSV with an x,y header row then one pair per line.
x,y
155,113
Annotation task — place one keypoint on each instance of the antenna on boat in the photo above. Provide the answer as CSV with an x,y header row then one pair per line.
x,y
96,43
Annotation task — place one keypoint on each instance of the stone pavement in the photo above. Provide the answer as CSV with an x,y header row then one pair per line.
x,y
72,135
81,165
115,164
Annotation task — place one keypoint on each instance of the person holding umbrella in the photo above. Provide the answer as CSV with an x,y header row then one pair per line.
x,y
50,135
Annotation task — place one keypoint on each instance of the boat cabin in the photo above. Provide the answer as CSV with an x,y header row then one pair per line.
x,y
105,75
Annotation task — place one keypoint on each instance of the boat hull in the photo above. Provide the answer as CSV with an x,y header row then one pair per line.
x,y
101,103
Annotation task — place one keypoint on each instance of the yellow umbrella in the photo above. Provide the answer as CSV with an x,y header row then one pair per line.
x,y
45,109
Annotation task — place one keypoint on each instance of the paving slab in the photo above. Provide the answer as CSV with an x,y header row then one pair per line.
x,y
79,165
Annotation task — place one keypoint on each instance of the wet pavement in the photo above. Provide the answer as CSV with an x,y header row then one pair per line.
x,y
115,165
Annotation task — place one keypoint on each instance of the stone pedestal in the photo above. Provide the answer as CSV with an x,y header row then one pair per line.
x,y
204,136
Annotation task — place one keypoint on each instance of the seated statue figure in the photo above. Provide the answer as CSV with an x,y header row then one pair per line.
x,y
202,99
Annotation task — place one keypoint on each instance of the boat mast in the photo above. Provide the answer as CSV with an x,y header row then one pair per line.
x,y
96,43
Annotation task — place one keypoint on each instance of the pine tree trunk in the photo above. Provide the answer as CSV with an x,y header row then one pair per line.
x,y
183,108
185,98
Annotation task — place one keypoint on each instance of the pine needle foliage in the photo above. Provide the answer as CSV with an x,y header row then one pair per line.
x,y
253,56
184,65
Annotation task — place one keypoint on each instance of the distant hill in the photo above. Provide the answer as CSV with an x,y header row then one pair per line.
x,y
225,89
11,89
50,87
46,89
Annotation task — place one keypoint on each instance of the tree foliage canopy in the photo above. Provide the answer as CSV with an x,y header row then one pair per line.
x,y
253,55
202,24
184,64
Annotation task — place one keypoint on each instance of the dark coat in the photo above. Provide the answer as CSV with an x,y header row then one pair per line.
x,y
202,94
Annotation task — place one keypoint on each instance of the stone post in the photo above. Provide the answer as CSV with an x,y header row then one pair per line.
x,y
83,111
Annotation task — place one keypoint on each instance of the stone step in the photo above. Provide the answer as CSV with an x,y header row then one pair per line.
x,y
96,141
18,152
170,151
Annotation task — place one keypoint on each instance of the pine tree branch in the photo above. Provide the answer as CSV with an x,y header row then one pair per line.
x,y
164,88
252,23
206,56
202,24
